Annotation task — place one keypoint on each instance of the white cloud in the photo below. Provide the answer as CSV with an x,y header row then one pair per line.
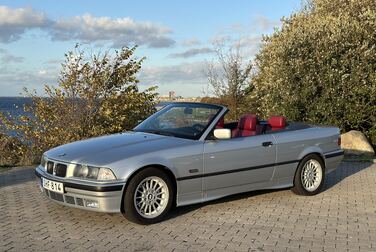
x,y
192,52
6,57
14,22
42,72
190,42
119,31
86,28
12,81
220,39
185,73
249,45
264,24
187,79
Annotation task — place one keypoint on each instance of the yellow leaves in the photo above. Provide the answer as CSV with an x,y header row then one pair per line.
x,y
95,96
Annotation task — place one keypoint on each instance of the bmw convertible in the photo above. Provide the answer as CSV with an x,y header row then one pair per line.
x,y
185,154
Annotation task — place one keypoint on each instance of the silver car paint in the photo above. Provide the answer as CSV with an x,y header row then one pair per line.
x,y
194,163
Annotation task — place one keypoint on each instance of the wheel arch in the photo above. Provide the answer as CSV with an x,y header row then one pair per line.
x,y
305,154
161,167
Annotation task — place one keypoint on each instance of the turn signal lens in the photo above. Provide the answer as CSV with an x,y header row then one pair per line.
x,y
43,162
105,174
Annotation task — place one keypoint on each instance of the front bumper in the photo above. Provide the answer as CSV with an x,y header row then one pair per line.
x,y
84,194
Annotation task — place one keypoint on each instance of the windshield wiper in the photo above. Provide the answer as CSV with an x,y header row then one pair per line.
x,y
159,132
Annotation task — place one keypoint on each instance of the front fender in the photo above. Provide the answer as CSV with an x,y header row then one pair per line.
x,y
126,168
153,161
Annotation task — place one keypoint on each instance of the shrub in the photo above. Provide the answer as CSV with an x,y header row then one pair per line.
x,y
10,150
320,66
96,95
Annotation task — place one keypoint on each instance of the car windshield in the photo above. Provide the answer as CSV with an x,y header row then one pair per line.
x,y
185,120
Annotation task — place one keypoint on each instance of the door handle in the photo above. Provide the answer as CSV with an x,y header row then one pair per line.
x,y
266,144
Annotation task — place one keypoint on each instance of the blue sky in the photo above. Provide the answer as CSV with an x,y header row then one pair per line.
x,y
176,37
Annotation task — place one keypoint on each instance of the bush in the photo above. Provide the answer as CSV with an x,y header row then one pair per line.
x,y
320,66
96,95
10,150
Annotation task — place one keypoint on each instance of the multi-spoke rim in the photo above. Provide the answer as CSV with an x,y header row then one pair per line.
x,y
151,197
311,175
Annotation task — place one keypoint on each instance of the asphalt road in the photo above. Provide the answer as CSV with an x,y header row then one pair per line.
x,y
341,218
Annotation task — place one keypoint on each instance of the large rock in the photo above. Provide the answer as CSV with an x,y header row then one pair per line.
x,y
355,143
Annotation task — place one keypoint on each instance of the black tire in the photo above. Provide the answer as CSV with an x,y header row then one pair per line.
x,y
130,212
299,187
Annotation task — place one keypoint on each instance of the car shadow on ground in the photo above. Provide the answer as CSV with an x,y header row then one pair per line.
x,y
346,169
16,175
179,211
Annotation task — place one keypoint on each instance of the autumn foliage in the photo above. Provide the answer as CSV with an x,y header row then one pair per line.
x,y
95,95
320,67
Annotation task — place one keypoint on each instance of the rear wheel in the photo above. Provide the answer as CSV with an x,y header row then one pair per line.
x,y
310,176
148,196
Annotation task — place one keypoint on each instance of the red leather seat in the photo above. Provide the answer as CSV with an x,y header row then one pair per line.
x,y
220,123
246,126
277,122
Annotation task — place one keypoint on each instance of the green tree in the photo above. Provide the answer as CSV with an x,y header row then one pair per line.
x,y
95,95
320,66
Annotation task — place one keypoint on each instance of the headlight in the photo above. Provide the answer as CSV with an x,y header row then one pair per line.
x,y
91,172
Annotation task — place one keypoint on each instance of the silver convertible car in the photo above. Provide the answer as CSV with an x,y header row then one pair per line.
x,y
185,154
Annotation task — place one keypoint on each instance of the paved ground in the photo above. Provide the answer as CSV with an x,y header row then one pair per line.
x,y
341,218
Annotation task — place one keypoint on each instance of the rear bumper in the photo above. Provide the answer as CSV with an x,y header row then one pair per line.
x,y
89,196
332,160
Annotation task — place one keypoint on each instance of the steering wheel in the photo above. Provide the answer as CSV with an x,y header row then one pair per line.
x,y
198,127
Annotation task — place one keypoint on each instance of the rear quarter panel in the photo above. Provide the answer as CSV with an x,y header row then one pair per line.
x,y
292,146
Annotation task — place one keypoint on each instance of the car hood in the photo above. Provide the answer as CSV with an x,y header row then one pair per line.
x,y
105,150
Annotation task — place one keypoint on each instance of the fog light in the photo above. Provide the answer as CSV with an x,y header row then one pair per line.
x,y
91,203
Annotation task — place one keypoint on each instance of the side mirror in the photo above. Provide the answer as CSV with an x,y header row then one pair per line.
x,y
222,133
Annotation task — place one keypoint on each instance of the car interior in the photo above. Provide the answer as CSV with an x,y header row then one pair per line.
x,y
250,125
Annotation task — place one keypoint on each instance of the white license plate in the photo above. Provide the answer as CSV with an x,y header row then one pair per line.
x,y
53,186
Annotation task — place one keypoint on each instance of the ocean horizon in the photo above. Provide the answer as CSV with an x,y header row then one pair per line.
x,y
14,105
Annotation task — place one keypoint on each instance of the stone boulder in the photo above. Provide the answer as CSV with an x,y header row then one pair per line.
x,y
355,143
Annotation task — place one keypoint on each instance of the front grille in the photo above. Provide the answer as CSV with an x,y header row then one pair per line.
x,y
80,201
61,170
69,199
57,169
56,196
50,167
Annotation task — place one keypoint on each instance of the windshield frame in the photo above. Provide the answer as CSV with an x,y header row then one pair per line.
x,y
182,104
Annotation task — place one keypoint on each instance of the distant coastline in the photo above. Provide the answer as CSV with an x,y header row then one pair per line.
x,y
14,105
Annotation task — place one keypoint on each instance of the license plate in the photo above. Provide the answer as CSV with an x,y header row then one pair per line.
x,y
53,186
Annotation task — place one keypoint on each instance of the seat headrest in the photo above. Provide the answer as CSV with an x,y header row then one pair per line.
x,y
277,121
248,122
221,122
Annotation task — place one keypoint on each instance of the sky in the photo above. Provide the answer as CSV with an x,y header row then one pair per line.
x,y
176,37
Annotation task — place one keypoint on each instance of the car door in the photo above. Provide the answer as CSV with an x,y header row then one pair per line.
x,y
238,161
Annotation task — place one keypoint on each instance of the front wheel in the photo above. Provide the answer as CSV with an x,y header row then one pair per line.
x,y
148,196
310,175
